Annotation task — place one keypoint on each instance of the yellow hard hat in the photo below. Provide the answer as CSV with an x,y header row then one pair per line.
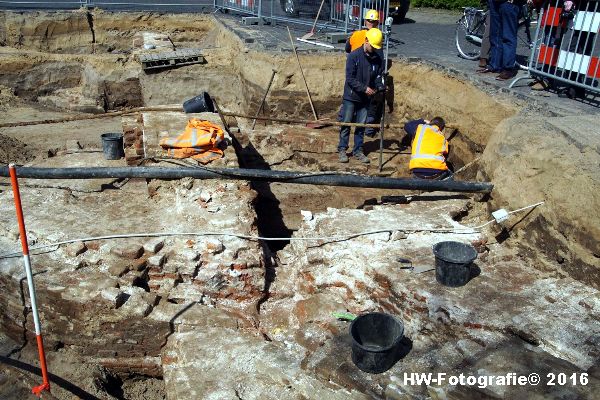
x,y
372,15
375,37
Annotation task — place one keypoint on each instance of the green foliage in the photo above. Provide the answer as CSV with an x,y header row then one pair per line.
x,y
447,4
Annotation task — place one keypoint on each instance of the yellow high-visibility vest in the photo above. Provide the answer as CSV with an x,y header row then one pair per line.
x,y
429,148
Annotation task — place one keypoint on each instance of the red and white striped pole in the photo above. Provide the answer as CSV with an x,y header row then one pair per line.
x,y
36,321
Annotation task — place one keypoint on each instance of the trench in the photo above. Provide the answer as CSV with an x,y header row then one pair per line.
x,y
68,78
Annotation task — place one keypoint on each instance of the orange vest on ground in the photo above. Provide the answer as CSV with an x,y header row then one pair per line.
x,y
357,39
199,141
429,148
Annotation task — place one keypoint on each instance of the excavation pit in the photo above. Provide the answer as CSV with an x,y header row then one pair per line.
x,y
169,316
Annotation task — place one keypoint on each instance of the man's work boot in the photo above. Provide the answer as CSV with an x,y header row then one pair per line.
x,y
362,158
343,156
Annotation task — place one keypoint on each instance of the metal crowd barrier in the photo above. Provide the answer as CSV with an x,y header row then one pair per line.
x,y
566,48
335,15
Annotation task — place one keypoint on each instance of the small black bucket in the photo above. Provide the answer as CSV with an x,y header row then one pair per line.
x,y
375,341
198,104
453,263
112,146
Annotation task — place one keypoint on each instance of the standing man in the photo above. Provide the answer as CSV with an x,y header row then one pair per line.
x,y
429,148
504,15
363,65
357,39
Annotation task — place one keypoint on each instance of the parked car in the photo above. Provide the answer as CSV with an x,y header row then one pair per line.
x,y
293,8
398,9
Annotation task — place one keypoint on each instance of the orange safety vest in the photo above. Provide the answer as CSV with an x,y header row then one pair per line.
x,y
429,148
199,141
357,39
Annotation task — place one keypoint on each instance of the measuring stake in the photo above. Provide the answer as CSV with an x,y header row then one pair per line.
x,y
37,390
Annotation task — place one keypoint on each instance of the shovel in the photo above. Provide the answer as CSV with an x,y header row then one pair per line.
x,y
312,30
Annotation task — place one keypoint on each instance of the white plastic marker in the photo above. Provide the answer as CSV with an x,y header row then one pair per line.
x,y
37,390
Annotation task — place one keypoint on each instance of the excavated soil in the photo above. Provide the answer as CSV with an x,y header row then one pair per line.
x,y
64,64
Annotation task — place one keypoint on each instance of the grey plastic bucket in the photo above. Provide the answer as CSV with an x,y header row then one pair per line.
x,y
198,104
453,263
112,146
376,341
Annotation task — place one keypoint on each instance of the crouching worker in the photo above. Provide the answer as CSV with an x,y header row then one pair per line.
x,y
429,149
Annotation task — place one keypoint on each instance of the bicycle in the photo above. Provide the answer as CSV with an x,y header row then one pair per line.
x,y
470,29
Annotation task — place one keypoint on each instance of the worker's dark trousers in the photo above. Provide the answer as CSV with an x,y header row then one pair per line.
x,y
375,113
353,112
503,35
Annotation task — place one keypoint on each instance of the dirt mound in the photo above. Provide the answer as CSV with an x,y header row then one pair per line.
x,y
14,151
554,160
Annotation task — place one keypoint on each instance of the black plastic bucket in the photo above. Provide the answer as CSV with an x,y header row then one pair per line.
x,y
453,263
198,104
375,341
112,146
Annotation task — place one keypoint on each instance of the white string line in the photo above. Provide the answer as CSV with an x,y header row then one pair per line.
x,y
466,230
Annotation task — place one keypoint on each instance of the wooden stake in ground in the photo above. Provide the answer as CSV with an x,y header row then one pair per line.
x,y
262,103
225,125
302,73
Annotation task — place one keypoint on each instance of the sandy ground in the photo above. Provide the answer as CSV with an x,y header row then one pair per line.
x,y
54,67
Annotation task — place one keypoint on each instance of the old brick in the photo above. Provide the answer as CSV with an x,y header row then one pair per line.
x,y
130,251
93,245
75,249
133,160
188,254
214,245
114,296
156,261
154,245
139,264
119,269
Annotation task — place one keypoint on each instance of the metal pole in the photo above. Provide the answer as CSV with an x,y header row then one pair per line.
x,y
318,178
388,30
347,16
37,390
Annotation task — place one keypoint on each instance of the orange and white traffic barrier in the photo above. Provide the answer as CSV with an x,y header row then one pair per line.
x,y
37,390
567,45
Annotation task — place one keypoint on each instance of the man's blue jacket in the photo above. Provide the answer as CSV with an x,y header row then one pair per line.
x,y
361,71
